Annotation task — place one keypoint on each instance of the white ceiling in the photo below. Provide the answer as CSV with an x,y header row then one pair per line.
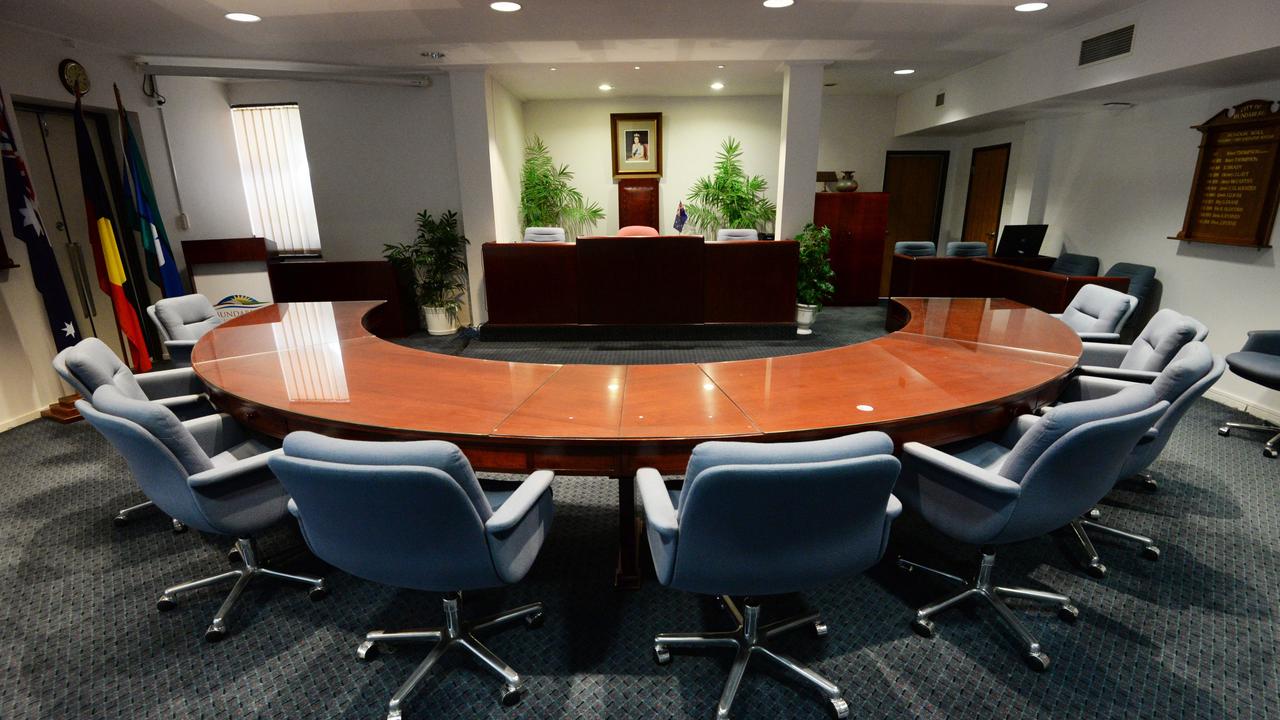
x,y
677,44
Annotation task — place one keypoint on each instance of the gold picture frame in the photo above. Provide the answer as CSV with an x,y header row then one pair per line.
x,y
637,144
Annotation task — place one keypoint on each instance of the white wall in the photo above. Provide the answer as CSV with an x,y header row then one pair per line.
x,y
201,135
506,154
856,131
1118,188
379,154
577,131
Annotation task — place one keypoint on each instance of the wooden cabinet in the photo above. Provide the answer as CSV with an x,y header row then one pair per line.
x,y
858,222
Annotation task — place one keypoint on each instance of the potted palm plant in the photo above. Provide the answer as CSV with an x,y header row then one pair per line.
x,y
813,281
547,199
436,261
729,198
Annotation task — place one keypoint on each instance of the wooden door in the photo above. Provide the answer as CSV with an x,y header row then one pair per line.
x,y
638,202
916,182
987,173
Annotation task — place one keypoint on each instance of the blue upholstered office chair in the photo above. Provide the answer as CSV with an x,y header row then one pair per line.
x,y
1041,474
726,234
757,519
1073,264
1142,285
413,515
915,248
1097,313
1186,377
1164,335
204,472
90,364
1258,361
967,249
544,234
181,321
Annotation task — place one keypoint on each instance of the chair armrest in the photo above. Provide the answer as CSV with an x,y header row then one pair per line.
x,y
161,384
234,471
516,531
662,527
517,507
945,469
180,351
893,508
1146,377
1263,341
1087,387
189,407
293,508
1016,430
215,433
1099,337
1103,354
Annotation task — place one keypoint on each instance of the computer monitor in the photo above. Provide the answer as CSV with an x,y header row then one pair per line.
x,y
1021,240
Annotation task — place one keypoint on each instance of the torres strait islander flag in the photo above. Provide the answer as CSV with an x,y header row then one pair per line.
x,y
106,250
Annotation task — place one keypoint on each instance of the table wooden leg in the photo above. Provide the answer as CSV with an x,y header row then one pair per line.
x,y
627,574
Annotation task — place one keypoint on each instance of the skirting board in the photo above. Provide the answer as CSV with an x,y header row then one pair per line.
x,y
23,419
1240,403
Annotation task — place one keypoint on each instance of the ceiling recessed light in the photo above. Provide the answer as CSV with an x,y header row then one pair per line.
x,y
719,67
242,17
717,85
779,3
636,67
903,71
605,87
554,69
505,6
1031,7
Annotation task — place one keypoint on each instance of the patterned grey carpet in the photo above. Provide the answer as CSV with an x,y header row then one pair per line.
x,y
1192,636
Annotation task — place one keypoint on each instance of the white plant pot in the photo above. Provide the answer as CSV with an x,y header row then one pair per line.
x,y
805,317
439,321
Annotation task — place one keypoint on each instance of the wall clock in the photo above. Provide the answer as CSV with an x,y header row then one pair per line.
x,y
73,76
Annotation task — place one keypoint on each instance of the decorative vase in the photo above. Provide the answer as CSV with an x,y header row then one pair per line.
x,y
439,321
805,317
846,183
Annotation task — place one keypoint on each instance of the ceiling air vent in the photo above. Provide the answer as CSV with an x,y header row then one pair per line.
x,y
940,99
1106,46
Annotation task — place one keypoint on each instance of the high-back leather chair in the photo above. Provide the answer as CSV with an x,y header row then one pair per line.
x,y
544,234
1041,474
1074,264
1164,335
915,248
1258,361
726,234
1097,313
182,321
90,364
967,249
757,519
413,515
1182,381
637,231
206,473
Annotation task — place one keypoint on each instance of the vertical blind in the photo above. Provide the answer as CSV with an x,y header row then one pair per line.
x,y
277,180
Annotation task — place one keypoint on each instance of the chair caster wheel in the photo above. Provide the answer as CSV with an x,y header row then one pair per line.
x,y
923,628
820,629
1096,570
1151,552
214,634
1037,661
368,650
1068,613
512,695
661,654
120,521
165,604
318,593
840,707
1270,452
178,527
534,621
1224,431
1094,514
1149,483
233,556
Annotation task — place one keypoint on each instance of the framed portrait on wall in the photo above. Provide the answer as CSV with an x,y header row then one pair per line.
x,y
637,144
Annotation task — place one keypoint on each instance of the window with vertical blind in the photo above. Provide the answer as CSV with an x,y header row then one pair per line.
x,y
277,180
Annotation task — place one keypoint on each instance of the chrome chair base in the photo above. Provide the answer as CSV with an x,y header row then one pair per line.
x,y
217,629
746,641
1271,448
457,634
1092,561
983,588
123,517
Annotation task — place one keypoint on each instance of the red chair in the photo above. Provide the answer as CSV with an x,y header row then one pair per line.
x,y
637,231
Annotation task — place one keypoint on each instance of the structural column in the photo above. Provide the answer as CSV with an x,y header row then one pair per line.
x,y
470,95
798,151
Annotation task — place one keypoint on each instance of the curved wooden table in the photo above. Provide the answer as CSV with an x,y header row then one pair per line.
x,y
954,368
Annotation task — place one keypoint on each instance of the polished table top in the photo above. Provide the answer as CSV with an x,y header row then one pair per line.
x,y
316,364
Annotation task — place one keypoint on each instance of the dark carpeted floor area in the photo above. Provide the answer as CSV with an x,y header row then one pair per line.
x,y
1191,636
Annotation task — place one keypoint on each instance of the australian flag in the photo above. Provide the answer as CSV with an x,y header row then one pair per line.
x,y
28,228
681,217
